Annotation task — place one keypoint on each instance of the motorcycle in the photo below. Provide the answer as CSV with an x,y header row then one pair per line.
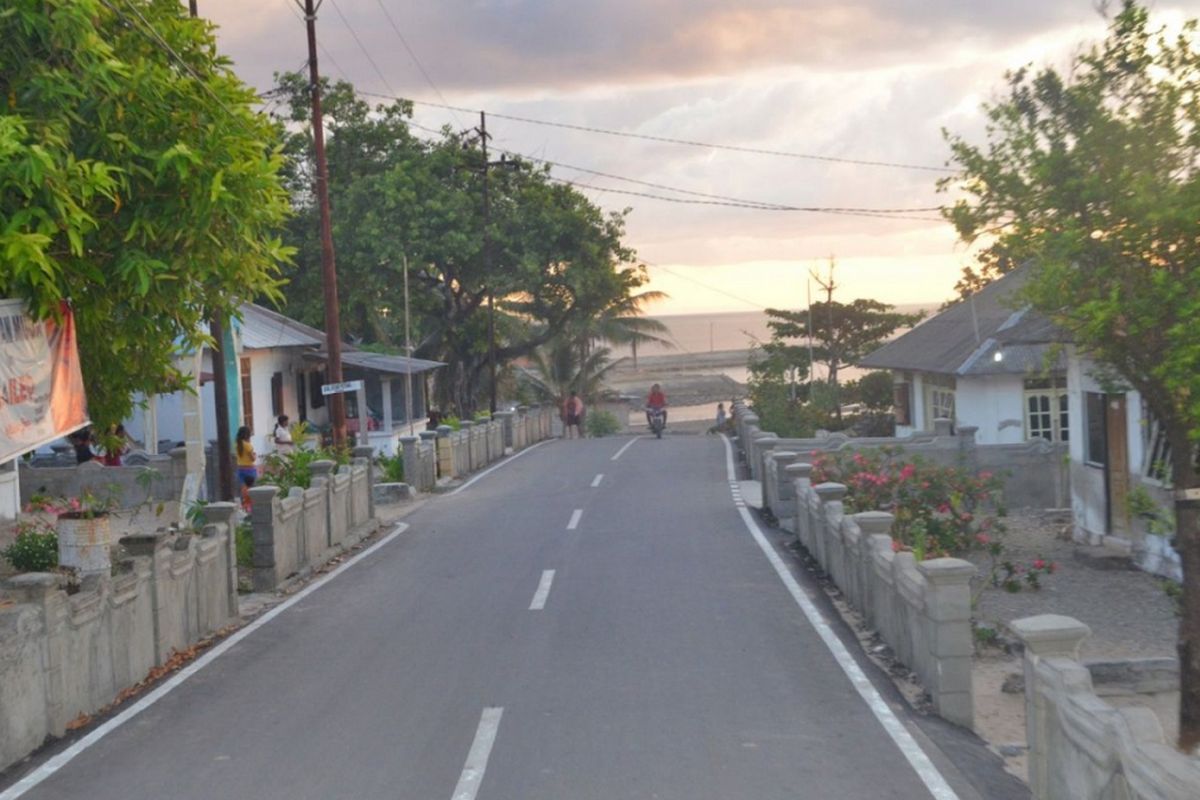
x,y
658,420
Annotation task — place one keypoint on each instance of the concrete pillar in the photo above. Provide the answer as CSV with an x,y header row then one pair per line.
x,y
943,427
948,636
445,451
386,385
412,464
468,439
429,465
506,426
322,468
968,454
193,435
367,457
150,424
222,515
761,445
830,515
874,529
1044,636
783,482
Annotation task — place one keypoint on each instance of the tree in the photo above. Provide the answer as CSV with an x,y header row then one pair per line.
x,y
136,182
555,259
1093,177
842,333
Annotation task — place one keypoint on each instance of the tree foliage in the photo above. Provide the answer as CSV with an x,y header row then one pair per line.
x,y
555,259
1092,175
136,182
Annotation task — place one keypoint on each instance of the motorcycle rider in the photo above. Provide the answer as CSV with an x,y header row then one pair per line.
x,y
656,401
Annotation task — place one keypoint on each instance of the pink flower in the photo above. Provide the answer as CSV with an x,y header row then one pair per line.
x,y
859,459
895,546
983,538
907,471
984,476
944,508
1039,564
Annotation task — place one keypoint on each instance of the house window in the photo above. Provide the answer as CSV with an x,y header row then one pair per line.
x,y
939,398
247,396
315,398
1046,409
276,394
1095,416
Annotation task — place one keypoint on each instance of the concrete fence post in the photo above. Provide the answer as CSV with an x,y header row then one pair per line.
x,y
831,495
41,590
221,515
800,475
759,445
445,451
874,527
412,461
365,455
782,494
1044,636
968,452
262,518
943,427
948,637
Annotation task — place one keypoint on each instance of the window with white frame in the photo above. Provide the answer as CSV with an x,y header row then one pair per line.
x,y
1046,409
1156,450
939,398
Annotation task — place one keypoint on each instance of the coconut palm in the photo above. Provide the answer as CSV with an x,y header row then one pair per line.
x,y
559,370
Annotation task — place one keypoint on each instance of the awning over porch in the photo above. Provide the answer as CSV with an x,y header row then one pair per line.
x,y
380,362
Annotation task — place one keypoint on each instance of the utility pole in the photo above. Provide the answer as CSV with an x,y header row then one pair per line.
x,y
216,329
408,393
487,261
333,329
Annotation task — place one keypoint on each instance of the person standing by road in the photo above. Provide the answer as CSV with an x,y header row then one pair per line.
x,y
283,436
247,470
720,423
572,416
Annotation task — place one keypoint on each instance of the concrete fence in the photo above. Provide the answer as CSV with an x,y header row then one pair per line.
x,y
142,478
1035,472
447,454
1081,746
64,655
300,531
922,610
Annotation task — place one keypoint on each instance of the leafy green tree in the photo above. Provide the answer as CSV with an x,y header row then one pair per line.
x,y
1093,176
136,182
555,259
842,333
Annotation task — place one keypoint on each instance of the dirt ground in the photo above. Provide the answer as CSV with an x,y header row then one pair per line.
x,y
1128,611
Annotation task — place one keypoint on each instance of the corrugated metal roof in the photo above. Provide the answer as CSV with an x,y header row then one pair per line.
x,y
958,337
380,362
262,328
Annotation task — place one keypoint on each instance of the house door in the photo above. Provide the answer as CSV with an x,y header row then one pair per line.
x,y
1117,444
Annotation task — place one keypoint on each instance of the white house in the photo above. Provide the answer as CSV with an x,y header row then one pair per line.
x,y
280,370
956,365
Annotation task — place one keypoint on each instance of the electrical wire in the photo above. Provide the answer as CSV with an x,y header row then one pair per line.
x,y
672,140
361,46
416,60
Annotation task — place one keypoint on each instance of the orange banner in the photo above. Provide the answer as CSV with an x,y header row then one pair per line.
x,y
41,386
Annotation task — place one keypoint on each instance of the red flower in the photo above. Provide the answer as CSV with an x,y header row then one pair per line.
x,y
895,546
907,471
944,508
985,476
983,538
1039,564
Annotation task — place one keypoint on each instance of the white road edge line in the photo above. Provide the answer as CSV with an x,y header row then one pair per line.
x,y
62,759
576,515
934,781
495,467
597,479
628,445
477,758
543,591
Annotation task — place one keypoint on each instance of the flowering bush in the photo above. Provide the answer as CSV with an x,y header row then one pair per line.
x,y
938,510
35,548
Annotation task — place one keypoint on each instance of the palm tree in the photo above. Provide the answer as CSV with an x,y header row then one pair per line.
x,y
559,370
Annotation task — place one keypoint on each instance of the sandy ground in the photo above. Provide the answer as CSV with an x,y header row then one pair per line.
x,y
1129,613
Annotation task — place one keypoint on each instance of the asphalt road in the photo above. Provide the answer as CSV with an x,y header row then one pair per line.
x,y
663,657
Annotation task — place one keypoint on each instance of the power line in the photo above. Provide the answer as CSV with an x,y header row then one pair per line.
x,y
361,46
676,141
416,60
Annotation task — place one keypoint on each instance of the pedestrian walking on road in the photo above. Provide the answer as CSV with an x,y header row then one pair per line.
x,y
572,416
720,424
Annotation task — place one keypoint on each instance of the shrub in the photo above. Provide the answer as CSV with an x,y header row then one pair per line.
x,y
391,468
938,510
244,544
601,423
35,548
294,468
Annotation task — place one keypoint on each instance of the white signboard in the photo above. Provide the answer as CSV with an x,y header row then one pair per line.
x,y
341,388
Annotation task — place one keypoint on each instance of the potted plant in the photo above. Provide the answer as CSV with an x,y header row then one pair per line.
x,y
85,532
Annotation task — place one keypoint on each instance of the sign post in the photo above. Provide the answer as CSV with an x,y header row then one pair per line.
x,y
360,390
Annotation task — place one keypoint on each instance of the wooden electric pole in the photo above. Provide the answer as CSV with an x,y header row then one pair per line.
x,y
216,329
333,330
487,261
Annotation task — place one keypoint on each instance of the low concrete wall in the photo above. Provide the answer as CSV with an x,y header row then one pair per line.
x,y
64,655
1035,472
295,533
59,476
922,610
1079,745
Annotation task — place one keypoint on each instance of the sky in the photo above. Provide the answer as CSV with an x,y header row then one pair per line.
x,y
863,80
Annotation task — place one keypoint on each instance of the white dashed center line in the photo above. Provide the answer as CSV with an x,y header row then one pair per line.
x,y
576,515
481,749
597,479
543,591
